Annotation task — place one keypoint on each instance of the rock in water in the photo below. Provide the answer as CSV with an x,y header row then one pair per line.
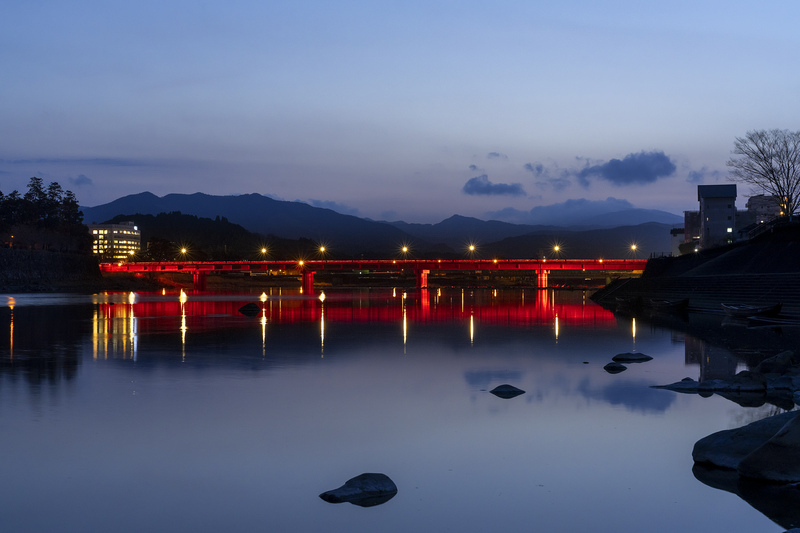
x,y
778,459
614,368
727,448
250,309
630,357
506,391
366,490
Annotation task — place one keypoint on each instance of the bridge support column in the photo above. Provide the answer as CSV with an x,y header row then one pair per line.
x,y
422,279
542,278
308,281
199,280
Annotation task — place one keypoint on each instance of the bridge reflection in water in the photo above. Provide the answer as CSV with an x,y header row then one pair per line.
x,y
120,319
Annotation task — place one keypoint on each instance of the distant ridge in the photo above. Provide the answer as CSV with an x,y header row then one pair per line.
x,y
346,235
261,214
459,231
629,217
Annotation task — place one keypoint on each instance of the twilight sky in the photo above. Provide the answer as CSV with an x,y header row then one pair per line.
x,y
412,110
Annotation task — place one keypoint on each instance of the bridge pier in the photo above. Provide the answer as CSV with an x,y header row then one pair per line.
x,y
308,281
199,280
542,278
422,279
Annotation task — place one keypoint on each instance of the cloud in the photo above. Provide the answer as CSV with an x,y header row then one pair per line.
x,y
562,214
334,206
496,155
633,169
637,396
704,174
537,169
480,185
81,181
547,179
474,168
99,161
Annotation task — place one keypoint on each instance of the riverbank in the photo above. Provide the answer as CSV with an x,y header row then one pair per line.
x,y
762,271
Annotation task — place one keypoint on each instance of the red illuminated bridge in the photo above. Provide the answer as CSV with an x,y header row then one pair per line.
x,y
420,267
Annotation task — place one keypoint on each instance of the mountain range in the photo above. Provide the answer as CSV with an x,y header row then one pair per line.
x,y
606,235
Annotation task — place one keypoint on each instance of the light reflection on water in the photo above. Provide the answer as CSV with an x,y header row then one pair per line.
x,y
181,413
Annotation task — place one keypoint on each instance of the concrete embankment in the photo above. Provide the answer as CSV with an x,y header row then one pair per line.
x,y
762,271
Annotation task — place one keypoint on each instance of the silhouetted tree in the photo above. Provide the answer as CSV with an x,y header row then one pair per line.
x,y
770,161
44,217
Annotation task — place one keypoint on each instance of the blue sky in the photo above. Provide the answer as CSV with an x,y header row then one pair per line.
x,y
393,110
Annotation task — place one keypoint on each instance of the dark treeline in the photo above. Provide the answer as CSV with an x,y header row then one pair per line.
x,y
44,218
205,239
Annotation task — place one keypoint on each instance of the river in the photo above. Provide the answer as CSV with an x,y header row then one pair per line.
x,y
176,412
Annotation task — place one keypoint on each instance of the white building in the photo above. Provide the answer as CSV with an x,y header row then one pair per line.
x,y
115,242
717,214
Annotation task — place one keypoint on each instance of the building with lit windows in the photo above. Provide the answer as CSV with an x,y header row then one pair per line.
x,y
115,242
717,214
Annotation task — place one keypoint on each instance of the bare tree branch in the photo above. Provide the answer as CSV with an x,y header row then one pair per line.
x,y
770,161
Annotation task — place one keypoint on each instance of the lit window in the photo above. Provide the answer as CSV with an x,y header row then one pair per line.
x,y
730,230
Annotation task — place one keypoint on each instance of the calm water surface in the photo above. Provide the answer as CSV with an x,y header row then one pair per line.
x,y
156,412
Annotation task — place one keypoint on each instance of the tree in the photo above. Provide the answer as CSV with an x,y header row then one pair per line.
x,y
770,161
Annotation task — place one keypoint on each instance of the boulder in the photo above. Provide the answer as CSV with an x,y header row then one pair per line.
x,y
711,385
366,490
614,368
687,385
727,448
777,364
506,391
630,357
250,309
778,459
746,381
780,383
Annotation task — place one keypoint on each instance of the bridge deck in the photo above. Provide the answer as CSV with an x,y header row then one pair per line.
x,y
383,265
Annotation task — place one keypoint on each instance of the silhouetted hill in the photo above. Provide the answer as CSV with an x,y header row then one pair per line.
x,y
260,214
628,217
459,232
348,236
650,238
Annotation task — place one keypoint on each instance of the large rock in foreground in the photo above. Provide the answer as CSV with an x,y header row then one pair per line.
x,y
727,448
778,459
366,490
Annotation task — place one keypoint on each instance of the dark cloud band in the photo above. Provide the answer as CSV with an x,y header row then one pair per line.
x,y
481,186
